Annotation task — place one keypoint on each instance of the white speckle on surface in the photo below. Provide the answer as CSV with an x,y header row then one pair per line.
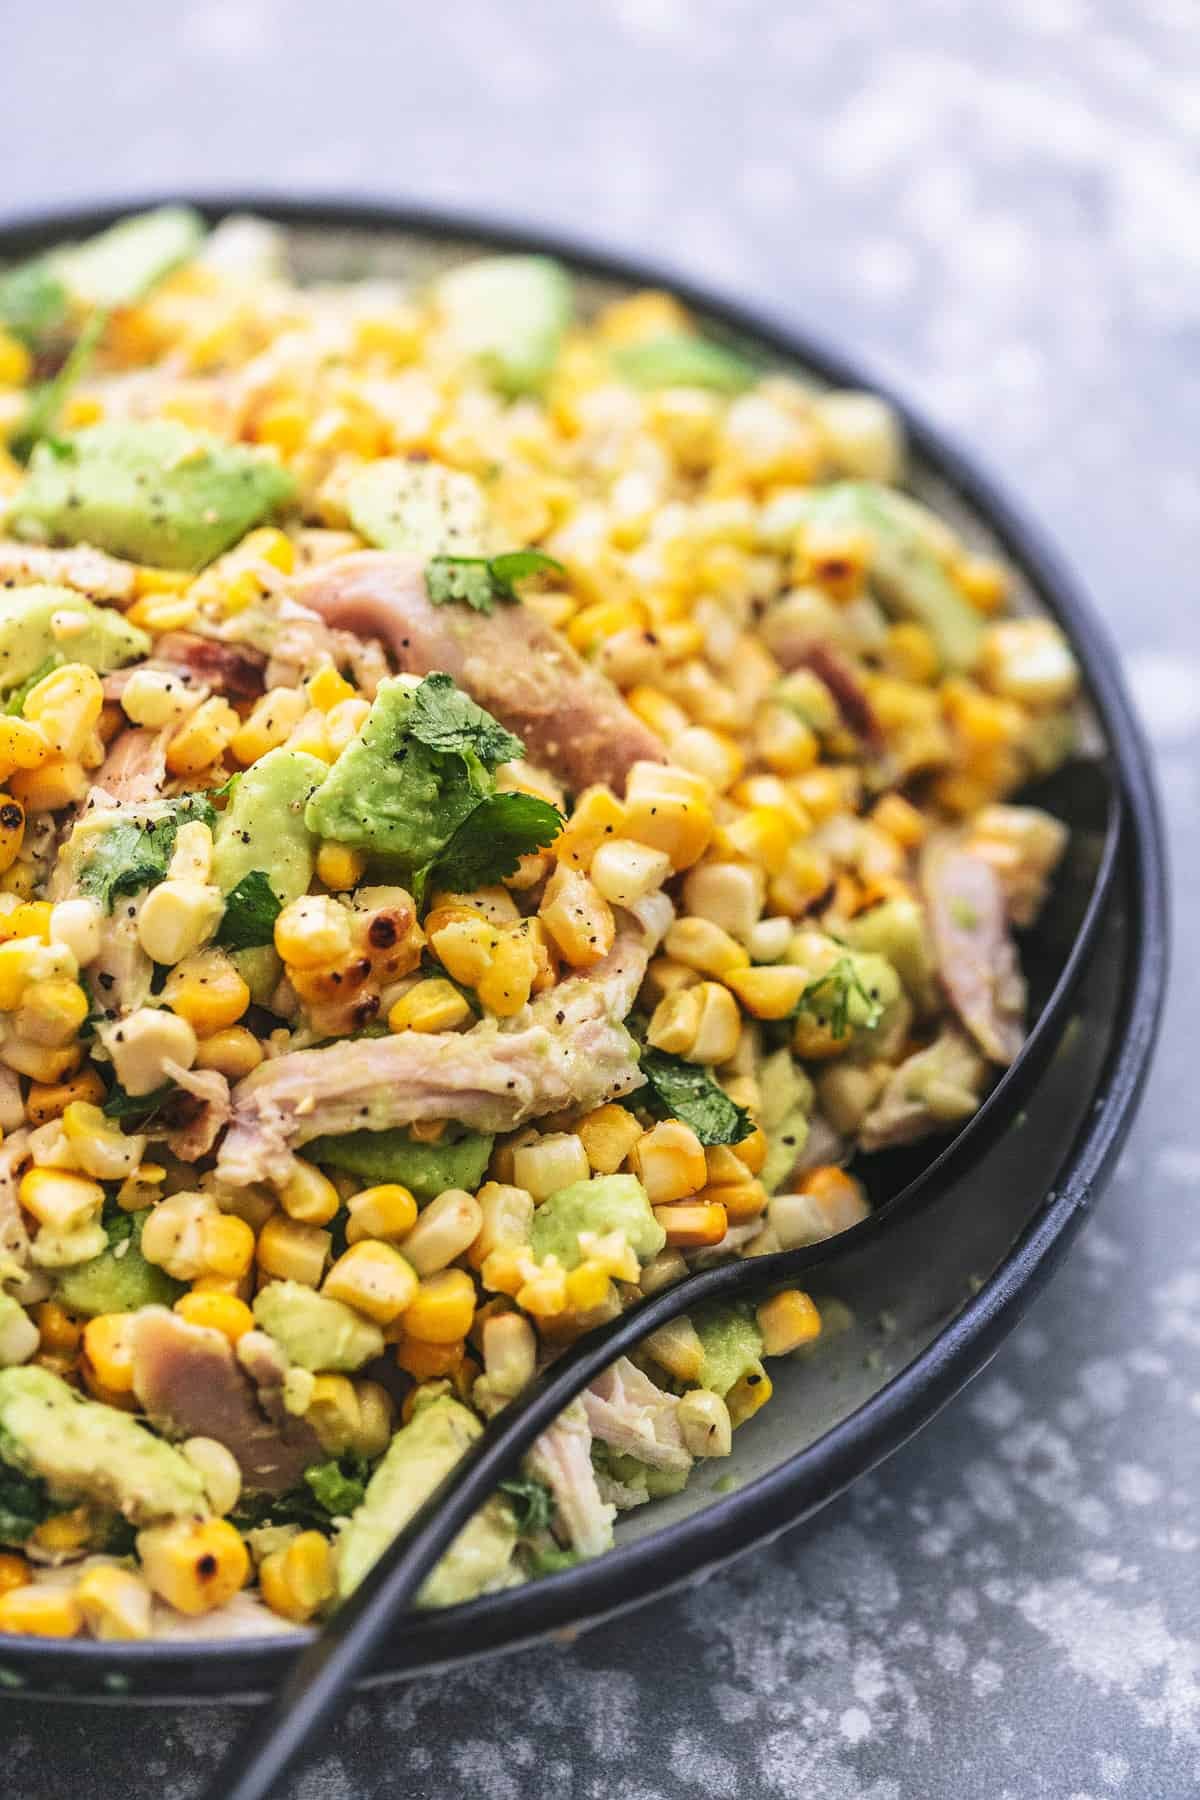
x,y
1167,691
855,1724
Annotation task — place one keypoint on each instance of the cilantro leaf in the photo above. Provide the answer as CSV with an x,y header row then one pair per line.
x,y
491,841
338,1486
482,580
444,719
24,1503
134,853
829,997
532,1503
136,1109
681,1090
251,909
331,1490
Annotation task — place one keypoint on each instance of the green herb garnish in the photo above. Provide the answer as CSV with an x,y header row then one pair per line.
x,y
532,1503
491,841
136,1109
681,1090
24,1503
828,998
135,853
481,581
251,909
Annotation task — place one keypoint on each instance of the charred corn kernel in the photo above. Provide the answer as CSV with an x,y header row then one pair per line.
x,y
676,1347
65,705
983,580
596,817
203,737
787,1320
115,1604
448,1226
433,1005
313,932
108,1350
763,835
427,1361
59,1199
232,1052
748,1396
505,985
671,810
577,917
901,820
40,1611
162,610
51,1012
76,925
227,1245
308,1195
57,1329
297,1581
340,867
142,1044
689,1225
505,1216
101,1148
292,1251
386,1211
374,1279
59,781
206,990
705,1423
442,1308
624,871
911,653
608,1135
195,1565
669,1162
326,688
1029,660
705,947
770,992
23,745
12,830
830,1201
270,723
509,1353
14,1571
463,944
550,1163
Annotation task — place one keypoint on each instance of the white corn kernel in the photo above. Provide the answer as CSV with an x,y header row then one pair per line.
x,y
173,1235
444,1230
551,1163
705,1423
142,1044
509,1353
862,434
153,698
191,859
178,918
625,871
75,924
218,1470
729,895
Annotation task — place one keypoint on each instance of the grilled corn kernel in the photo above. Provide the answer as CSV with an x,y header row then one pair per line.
x,y
690,1224
442,1309
787,1320
40,1611
108,1351
313,932
597,817
608,1135
177,918
705,1423
14,1571
292,1251
509,1353
432,1005
448,1226
270,724
115,1603
676,1347
297,1581
226,1245
12,830
340,867
669,1162
207,991
59,1199
375,1279
203,737
195,1565
578,918
426,1361
308,1195
173,1234
748,1396
550,1163
505,1216
232,1052
387,1211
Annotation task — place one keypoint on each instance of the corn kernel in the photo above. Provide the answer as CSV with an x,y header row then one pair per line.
x,y
308,1195
326,688
12,830
375,1279
504,1216
705,947
431,1005
690,1225
108,1351
58,782
271,722
177,918
676,1347
227,1245
203,737
669,1162
292,1251
298,1580
597,816
115,1604
15,1572
577,917
669,809
206,990
65,705
505,985
60,1200
748,1396
232,1052
340,867
427,1361
705,1423
57,1329
463,944
787,1320
550,1163
608,1135
40,1611
442,1309
770,992
23,745
196,1565
387,1211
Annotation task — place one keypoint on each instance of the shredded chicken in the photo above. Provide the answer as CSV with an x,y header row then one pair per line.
x,y
562,1458
196,1122
976,957
202,663
932,1090
133,771
634,1417
88,571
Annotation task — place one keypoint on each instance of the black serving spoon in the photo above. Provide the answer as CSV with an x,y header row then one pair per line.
x,y
1084,795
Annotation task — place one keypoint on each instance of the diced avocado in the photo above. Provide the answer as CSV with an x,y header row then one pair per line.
x,y
786,1102
854,998
315,1331
118,266
119,1280
680,359
37,632
733,1346
263,828
427,1170
640,1477
510,312
896,929
153,491
603,1204
84,1450
421,507
420,1456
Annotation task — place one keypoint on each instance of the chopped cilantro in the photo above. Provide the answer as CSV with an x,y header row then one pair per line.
x,y
491,841
24,1503
251,909
331,1490
134,853
482,580
829,997
136,1109
338,1485
531,1501
119,1225
443,718
681,1090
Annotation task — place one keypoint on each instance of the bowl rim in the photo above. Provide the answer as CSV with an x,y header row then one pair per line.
x,y
691,1548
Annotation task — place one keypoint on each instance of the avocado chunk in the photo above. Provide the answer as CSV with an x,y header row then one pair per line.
x,y
153,492
733,1346
427,1170
262,831
119,266
419,1457
37,633
510,313
603,1204
679,359
642,1480
421,507
84,1450
119,1280
896,930
315,1331
787,1100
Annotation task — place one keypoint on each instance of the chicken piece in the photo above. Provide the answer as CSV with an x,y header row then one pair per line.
x,y
188,1380
567,1049
204,664
932,1090
1024,845
297,642
134,770
571,718
562,1459
634,1417
88,571
976,957
199,1114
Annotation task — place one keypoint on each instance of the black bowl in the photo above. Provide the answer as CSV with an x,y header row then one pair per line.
x,y
927,1301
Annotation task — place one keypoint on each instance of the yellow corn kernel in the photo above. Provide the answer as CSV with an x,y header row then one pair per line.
x,y
203,737
597,816
700,1023
748,1396
12,830
142,1188
705,947
326,688
593,624
39,1063
373,1278
901,820
232,1052
115,1603
624,872
432,1005
463,943
588,1286
65,705
161,609
308,1195
270,723
313,932
40,1611
344,723
648,314
763,835
297,1581
787,1320
705,1423
23,745
1030,661
59,781
984,581
549,1163
608,1135
911,653
195,1565
690,1225
340,867
108,1351
577,917
386,1211
59,1199
543,1292
664,717
57,1329
676,1347
293,1252
100,1147
670,809
769,992
442,1309
505,985
48,1100
51,1012
427,1361
752,1151
743,1199
504,1216
669,1162
31,920
16,364
207,991
226,1244
14,1571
